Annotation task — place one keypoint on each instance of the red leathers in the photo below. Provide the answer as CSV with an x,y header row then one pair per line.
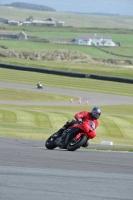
x,y
84,115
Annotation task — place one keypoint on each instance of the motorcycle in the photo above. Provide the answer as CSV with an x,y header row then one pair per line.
x,y
73,137
39,86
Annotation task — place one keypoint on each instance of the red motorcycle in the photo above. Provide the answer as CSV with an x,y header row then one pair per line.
x,y
73,137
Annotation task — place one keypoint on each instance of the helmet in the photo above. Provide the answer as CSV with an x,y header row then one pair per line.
x,y
95,112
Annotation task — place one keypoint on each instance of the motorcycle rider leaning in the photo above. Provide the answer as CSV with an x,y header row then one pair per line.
x,y
39,85
80,117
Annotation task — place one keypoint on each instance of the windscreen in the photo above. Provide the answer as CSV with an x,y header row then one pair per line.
x,y
92,124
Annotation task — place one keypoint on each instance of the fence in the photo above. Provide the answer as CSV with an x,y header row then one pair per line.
x,y
70,74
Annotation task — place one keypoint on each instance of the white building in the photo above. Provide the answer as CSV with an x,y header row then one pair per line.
x,y
43,23
94,40
14,23
38,23
59,23
48,22
26,23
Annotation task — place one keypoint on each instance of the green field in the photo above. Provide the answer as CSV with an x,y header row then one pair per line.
x,y
22,95
91,67
28,46
38,122
125,37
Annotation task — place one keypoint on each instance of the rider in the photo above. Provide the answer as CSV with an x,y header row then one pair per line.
x,y
80,117
38,84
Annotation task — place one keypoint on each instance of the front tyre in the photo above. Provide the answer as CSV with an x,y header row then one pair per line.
x,y
76,144
50,142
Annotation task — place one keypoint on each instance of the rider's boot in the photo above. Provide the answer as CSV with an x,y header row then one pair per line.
x,y
58,133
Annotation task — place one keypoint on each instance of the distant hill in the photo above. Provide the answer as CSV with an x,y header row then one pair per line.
x,y
29,6
102,14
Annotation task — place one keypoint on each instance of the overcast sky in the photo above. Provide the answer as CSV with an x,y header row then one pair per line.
x,y
122,7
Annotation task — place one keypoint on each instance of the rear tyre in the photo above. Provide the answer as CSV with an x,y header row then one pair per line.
x,y
76,144
50,142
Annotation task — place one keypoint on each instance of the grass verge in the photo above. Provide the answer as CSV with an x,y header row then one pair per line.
x,y
66,82
38,122
112,148
38,96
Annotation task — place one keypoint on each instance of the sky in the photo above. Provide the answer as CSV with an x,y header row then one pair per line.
x,y
121,7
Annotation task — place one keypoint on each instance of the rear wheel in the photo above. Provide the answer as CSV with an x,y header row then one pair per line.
x,y
50,142
76,144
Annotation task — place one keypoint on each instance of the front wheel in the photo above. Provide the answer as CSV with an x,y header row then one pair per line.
x,y
50,142
76,144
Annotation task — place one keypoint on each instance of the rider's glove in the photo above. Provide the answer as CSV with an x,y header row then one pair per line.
x,y
71,121
80,121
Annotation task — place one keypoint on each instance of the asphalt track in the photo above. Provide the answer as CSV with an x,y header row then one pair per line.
x,y
28,171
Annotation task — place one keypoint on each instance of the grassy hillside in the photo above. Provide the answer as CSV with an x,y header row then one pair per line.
x,y
28,46
125,37
70,19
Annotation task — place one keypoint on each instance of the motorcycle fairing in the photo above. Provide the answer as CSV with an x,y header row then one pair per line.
x,y
87,128
90,135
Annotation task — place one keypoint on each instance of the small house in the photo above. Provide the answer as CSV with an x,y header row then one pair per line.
x,y
94,40
13,35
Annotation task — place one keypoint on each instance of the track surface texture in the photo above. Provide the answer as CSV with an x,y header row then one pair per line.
x,y
28,171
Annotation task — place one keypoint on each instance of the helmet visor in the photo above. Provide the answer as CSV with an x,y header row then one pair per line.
x,y
95,115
